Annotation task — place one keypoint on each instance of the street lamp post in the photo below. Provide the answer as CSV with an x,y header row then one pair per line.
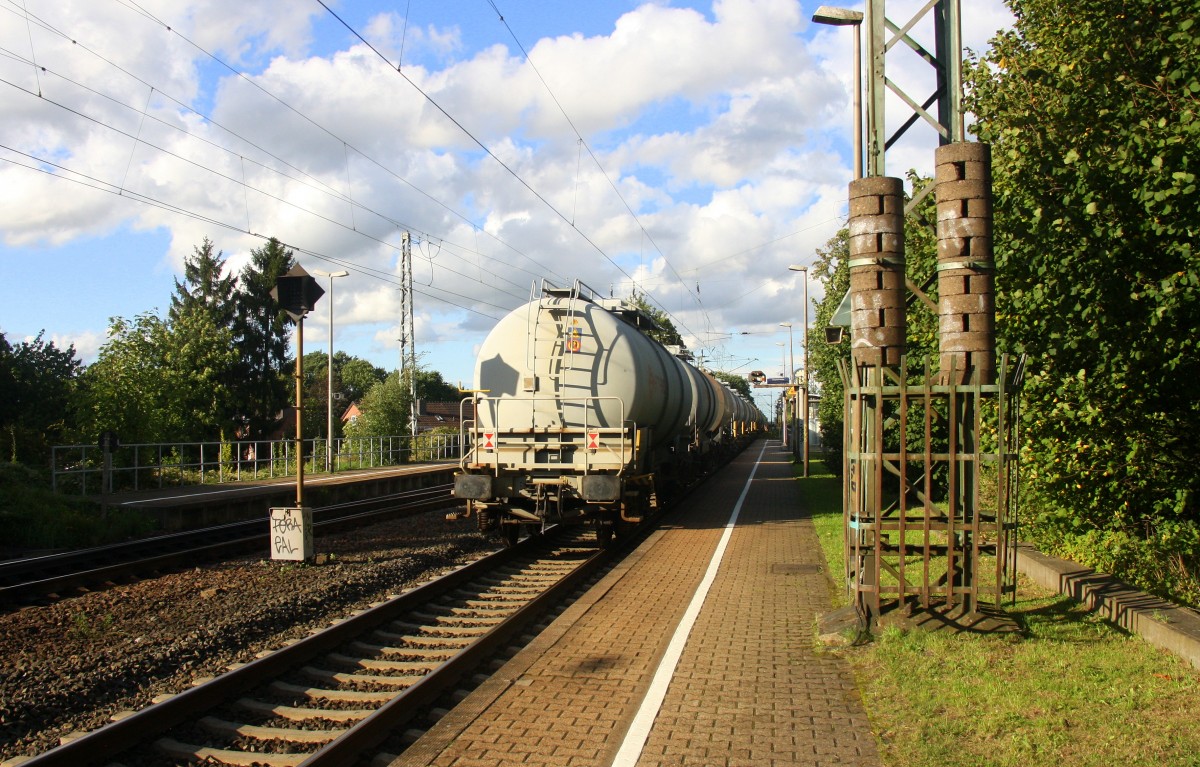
x,y
791,376
784,420
329,369
842,17
804,386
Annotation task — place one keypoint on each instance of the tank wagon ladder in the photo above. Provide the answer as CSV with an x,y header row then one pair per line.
x,y
567,348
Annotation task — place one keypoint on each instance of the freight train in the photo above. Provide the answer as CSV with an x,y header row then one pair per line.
x,y
577,413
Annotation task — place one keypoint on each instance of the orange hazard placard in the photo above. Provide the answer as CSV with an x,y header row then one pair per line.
x,y
593,440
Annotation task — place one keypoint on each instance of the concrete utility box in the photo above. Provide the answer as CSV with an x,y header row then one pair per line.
x,y
292,533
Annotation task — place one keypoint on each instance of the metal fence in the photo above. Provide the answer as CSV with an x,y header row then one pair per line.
x,y
82,468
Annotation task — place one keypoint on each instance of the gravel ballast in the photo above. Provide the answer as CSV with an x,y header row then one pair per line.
x,y
71,665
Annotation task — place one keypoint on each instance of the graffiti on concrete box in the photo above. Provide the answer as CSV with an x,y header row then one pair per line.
x,y
291,533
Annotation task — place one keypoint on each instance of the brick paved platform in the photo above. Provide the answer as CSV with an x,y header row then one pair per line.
x,y
748,687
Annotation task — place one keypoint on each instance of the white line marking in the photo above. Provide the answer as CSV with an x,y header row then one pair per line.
x,y
282,483
639,731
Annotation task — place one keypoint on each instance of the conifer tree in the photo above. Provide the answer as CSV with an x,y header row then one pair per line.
x,y
261,338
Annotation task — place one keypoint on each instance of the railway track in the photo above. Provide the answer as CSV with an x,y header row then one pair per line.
x,y
336,695
59,574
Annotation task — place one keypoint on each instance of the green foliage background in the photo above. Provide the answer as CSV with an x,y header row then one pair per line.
x,y
38,382
1091,111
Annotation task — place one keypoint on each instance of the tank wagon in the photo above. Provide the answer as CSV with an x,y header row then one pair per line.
x,y
576,412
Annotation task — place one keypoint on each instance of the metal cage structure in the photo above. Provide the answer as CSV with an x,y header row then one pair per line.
x,y
908,545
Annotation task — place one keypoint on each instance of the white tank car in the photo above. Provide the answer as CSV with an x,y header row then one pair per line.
x,y
577,412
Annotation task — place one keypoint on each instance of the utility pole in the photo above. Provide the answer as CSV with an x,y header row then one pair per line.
x,y
291,527
408,334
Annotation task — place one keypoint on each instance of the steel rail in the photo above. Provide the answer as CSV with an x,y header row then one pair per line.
x,y
100,746
386,720
77,568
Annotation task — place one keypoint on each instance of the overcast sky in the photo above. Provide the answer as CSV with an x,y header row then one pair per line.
x,y
690,150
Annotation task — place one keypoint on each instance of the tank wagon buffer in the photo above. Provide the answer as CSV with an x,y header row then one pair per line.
x,y
578,414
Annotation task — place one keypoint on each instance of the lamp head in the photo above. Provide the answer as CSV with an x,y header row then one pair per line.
x,y
838,17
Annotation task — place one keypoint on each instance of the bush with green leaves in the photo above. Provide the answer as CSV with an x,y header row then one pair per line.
x,y
1091,108
35,517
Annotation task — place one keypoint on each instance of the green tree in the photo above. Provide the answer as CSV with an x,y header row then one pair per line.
x,y
357,376
736,382
664,332
37,386
204,287
831,268
200,319
432,387
159,381
198,356
353,377
124,389
385,410
316,387
1091,111
263,381
387,405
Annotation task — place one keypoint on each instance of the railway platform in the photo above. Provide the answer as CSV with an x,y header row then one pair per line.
x,y
190,506
697,649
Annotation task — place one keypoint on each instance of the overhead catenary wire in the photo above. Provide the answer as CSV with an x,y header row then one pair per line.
x,y
144,114
487,150
135,7
584,144
109,188
246,159
122,191
207,168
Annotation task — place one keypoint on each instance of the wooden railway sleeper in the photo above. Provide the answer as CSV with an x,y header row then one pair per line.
x,y
376,664
301,714
383,651
461,620
205,754
449,630
292,735
338,696
341,677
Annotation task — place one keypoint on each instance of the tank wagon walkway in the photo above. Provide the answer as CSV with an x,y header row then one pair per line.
x,y
618,679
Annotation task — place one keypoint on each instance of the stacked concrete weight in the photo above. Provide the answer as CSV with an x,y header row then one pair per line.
x,y
966,283
877,292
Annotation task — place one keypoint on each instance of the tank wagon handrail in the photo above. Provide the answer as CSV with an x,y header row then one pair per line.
x,y
510,439
577,290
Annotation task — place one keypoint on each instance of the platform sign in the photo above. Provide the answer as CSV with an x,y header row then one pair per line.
x,y
292,533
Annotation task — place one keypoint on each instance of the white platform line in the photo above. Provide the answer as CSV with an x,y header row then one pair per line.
x,y
639,731
321,480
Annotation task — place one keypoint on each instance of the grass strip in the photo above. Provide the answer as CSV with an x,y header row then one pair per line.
x,y
1070,690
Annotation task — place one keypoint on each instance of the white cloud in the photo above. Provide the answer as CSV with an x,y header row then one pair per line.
x,y
725,134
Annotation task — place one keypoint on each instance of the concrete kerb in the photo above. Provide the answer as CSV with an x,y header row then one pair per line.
x,y
1161,623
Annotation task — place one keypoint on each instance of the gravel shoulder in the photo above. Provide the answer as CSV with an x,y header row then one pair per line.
x,y
71,665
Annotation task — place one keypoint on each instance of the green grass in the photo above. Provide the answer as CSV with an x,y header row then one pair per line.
x,y
34,517
1070,690
823,494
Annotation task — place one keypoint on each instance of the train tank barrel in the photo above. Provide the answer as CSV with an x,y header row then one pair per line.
x,y
570,361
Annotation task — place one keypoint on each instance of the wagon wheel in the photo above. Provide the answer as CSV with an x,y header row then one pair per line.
x,y
512,533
